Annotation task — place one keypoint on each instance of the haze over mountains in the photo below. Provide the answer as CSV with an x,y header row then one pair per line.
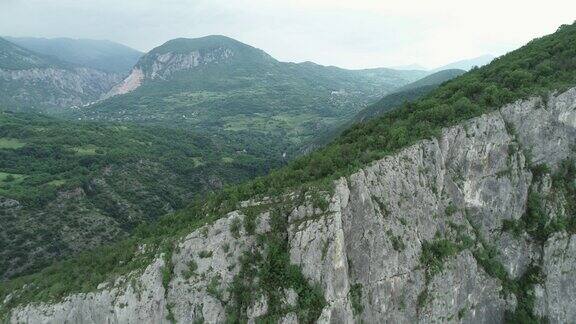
x,y
31,81
465,64
96,54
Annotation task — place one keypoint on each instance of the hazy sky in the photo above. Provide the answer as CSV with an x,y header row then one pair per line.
x,y
353,33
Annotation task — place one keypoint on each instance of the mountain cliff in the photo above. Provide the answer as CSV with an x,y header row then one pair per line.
x,y
34,82
458,207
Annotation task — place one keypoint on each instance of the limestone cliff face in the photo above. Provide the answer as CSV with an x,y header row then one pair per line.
x,y
165,64
54,87
369,249
160,66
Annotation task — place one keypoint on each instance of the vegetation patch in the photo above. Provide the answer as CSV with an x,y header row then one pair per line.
x,y
435,253
235,226
397,242
205,254
355,295
192,267
271,274
450,210
250,216
536,221
11,143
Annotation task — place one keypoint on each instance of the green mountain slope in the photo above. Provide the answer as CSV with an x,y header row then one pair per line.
x,y
96,54
433,79
67,187
30,81
396,99
218,84
407,93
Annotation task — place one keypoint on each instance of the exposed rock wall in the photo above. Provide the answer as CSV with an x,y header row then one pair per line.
x,y
369,249
161,66
55,87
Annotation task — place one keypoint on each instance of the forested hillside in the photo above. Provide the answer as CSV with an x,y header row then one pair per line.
x,y
66,187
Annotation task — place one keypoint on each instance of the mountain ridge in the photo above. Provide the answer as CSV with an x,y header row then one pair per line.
x,y
35,82
467,64
102,55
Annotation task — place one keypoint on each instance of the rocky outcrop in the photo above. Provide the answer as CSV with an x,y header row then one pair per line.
x,y
430,234
165,64
131,83
160,66
55,87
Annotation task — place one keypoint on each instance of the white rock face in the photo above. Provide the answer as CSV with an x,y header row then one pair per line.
x,y
133,81
138,301
365,248
162,66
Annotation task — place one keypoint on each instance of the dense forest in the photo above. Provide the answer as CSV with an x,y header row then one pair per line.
x,y
70,186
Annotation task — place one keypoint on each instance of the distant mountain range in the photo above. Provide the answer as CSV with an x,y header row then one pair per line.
x,y
31,81
96,54
465,64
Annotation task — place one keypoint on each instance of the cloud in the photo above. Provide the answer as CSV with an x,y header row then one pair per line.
x,y
359,33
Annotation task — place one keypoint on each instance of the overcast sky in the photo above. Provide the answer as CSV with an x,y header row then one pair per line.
x,y
352,33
